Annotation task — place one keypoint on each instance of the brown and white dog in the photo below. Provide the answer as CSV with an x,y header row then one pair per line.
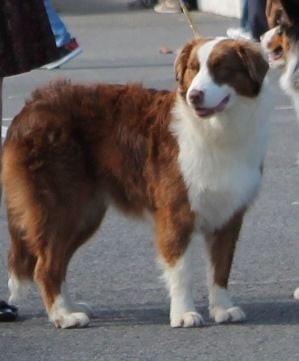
x,y
191,158
281,44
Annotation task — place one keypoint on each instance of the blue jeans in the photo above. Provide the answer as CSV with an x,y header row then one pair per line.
x,y
60,31
244,16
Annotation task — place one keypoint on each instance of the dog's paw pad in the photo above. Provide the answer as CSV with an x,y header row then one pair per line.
x,y
71,320
188,319
232,314
296,293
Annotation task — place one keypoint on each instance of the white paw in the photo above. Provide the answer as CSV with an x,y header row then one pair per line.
x,y
188,319
232,314
296,293
70,320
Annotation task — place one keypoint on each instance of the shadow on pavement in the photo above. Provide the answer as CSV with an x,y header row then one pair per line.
x,y
263,313
272,313
258,313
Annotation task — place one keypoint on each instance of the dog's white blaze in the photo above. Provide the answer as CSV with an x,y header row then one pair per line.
x,y
213,93
220,157
267,38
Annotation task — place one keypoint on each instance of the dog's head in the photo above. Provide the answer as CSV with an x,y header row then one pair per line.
x,y
275,45
280,41
212,72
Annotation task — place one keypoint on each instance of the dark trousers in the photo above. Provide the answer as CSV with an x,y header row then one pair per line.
x,y
257,18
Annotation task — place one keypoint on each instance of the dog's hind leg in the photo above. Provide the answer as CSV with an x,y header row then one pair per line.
x,y
220,248
173,238
50,273
51,269
21,264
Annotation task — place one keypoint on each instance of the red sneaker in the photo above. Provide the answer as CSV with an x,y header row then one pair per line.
x,y
66,53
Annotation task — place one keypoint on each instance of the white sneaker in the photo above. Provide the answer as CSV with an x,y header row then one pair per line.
x,y
237,33
168,7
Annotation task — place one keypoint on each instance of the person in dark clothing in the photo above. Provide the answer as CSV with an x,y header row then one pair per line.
x,y
257,18
26,43
8,313
243,31
173,6
253,21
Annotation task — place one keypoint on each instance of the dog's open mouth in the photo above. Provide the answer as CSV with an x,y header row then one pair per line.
x,y
276,54
206,112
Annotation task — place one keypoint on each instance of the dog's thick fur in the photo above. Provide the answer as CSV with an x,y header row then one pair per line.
x,y
282,46
192,159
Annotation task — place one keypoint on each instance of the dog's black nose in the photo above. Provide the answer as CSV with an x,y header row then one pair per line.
x,y
196,97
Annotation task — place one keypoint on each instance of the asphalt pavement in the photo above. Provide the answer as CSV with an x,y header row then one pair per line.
x,y
116,271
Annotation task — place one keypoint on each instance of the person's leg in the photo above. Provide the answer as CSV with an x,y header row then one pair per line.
x,y
67,45
60,31
167,7
244,16
1,87
244,30
257,18
7,312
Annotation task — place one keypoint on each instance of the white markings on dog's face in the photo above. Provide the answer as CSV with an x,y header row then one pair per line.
x,y
211,73
272,45
289,81
204,94
220,157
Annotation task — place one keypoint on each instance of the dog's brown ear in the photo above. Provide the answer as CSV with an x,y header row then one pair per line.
x,y
255,63
181,61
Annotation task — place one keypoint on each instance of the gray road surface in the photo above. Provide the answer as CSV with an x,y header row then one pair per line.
x,y
116,272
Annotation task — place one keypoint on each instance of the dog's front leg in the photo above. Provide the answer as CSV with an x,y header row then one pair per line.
x,y
173,237
220,248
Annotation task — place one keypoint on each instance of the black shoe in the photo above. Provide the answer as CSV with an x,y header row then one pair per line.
x,y
8,313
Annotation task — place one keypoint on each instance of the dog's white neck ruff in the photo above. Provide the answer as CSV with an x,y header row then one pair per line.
x,y
221,157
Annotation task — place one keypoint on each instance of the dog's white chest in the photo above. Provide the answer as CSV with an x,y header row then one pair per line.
x,y
218,188
222,173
